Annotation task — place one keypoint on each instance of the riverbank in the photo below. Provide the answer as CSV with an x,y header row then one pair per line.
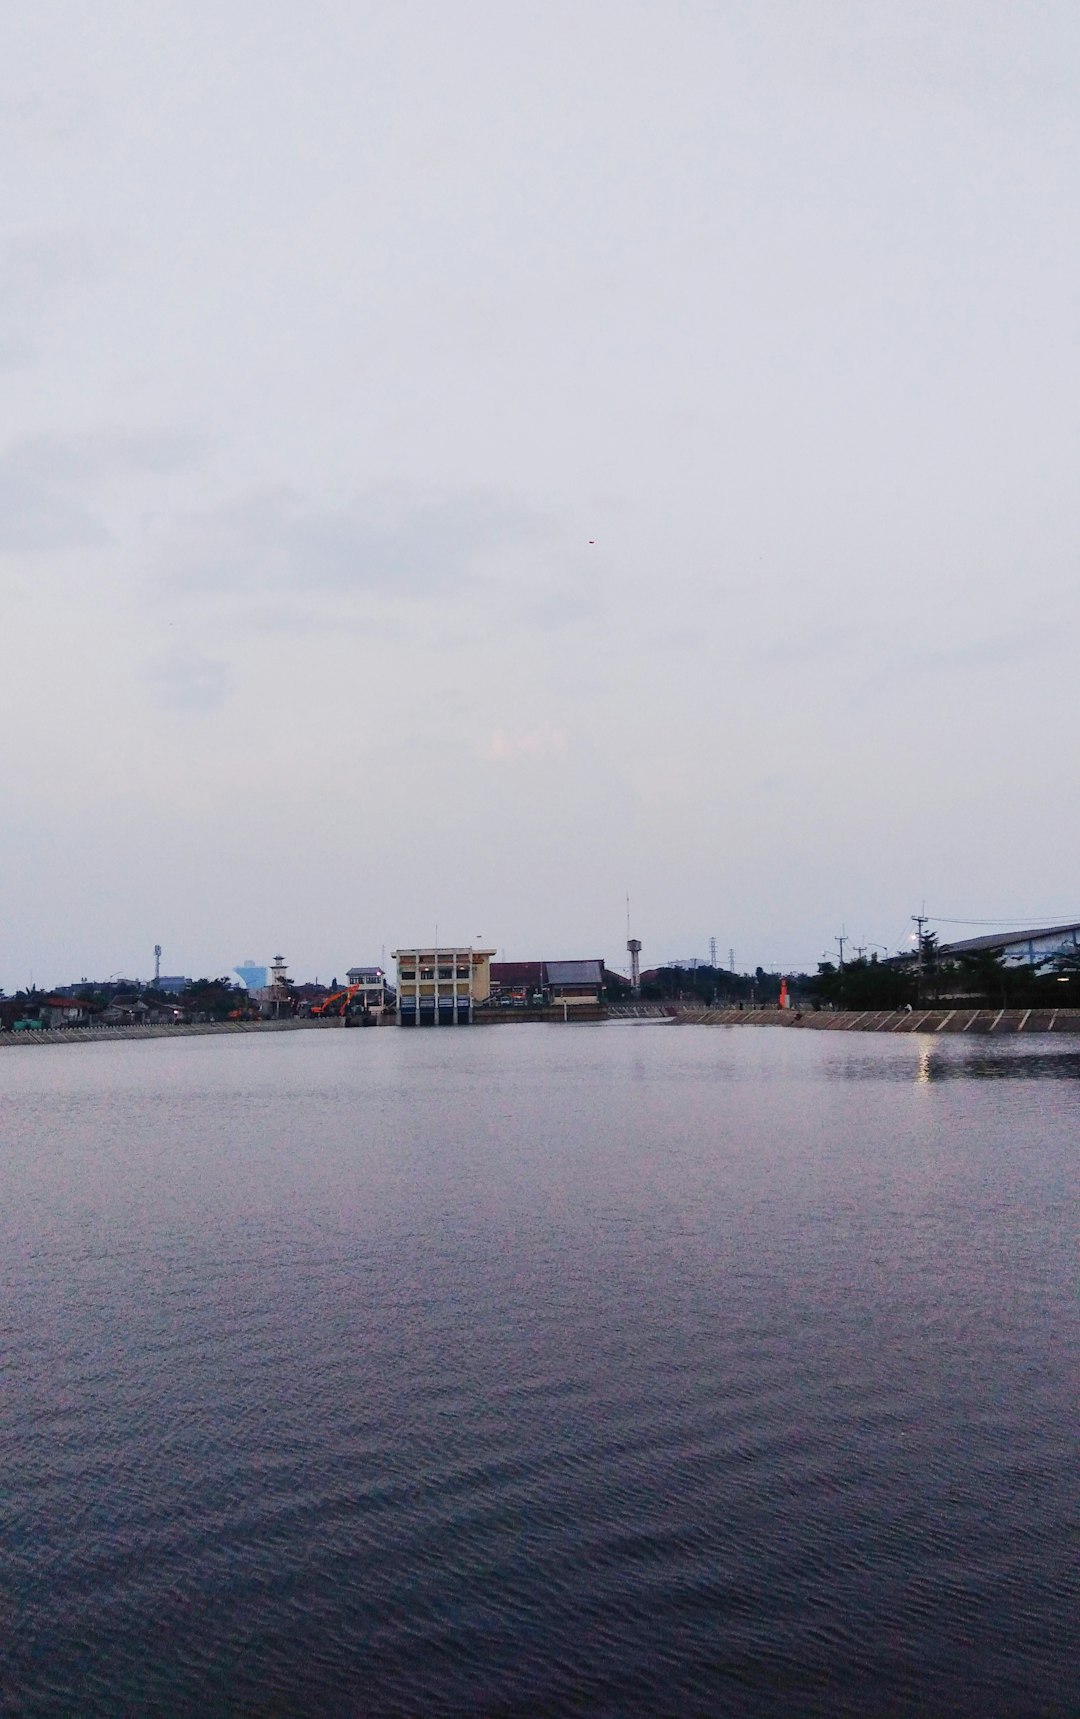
x,y
106,1035
569,1013
182,1030
980,1022
961,1020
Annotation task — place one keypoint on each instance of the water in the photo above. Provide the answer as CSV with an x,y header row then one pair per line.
x,y
537,1371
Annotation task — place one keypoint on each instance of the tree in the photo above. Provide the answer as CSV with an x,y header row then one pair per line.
x,y
863,984
982,973
717,987
215,999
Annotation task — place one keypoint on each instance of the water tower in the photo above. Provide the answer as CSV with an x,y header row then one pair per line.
x,y
634,947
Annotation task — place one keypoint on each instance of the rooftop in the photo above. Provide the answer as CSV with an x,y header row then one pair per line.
x,y
1004,939
428,952
575,972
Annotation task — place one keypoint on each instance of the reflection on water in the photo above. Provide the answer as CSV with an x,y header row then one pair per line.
x,y
534,1370
1023,1065
927,1060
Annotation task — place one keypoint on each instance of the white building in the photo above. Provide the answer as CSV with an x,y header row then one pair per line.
x,y
439,987
276,999
370,989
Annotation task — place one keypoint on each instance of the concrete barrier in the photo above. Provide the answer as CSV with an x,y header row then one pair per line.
x,y
998,1023
101,1035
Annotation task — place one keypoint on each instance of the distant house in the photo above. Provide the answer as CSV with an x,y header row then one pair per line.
x,y
64,1012
575,982
517,981
373,991
132,1011
126,1011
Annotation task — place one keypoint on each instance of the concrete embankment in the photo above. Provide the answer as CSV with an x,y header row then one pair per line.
x,y
483,1017
496,1017
958,1020
573,1012
106,1035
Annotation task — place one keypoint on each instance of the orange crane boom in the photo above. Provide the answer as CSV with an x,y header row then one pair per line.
x,y
347,996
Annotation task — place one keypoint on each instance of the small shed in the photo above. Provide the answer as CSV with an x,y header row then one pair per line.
x,y
64,1012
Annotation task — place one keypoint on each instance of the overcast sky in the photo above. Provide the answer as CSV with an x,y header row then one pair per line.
x,y
464,460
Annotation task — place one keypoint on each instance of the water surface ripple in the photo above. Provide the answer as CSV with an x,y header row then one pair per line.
x,y
604,1370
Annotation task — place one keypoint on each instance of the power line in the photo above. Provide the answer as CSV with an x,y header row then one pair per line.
x,y
941,919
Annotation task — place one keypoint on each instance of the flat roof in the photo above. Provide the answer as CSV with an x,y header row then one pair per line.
x,y
428,952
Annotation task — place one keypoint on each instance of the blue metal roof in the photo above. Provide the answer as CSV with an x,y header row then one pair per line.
x,y
1005,939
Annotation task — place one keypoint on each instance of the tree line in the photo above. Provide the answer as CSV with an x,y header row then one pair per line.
x,y
980,977
935,977
216,999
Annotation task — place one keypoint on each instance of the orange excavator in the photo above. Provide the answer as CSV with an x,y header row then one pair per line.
x,y
341,998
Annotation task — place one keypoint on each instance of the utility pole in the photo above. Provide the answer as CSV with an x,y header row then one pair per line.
x,y
920,921
157,962
841,987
